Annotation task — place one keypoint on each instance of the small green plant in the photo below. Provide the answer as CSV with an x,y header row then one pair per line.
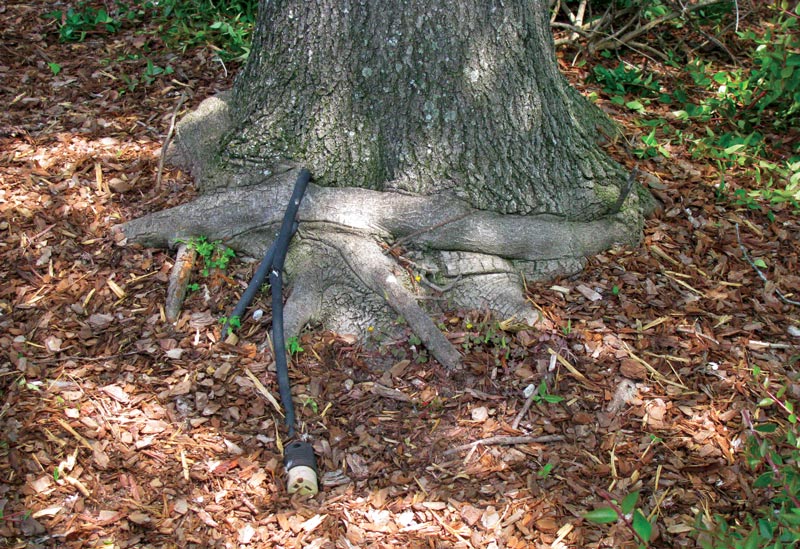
x,y
225,25
55,68
490,335
741,106
651,148
627,512
542,395
623,81
545,471
75,23
773,450
215,254
31,386
232,323
311,403
152,72
293,345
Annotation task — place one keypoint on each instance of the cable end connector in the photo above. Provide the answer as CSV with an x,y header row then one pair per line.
x,y
301,469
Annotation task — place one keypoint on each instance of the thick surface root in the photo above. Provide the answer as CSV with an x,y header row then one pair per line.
x,y
345,277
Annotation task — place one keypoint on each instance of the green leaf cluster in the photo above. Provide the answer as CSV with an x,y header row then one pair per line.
x,y
542,395
742,105
624,79
773,450
75,23
293,345
232,323
738,108
634,517
224,25
215,254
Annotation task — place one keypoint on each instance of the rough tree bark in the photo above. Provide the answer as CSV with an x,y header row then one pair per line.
x,y
442,130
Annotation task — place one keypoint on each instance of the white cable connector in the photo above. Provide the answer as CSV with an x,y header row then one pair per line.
x,y
302,480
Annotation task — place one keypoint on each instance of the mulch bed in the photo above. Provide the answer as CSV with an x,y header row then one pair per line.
x,y
119,429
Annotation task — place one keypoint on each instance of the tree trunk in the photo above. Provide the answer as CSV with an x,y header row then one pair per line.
x,y
441,130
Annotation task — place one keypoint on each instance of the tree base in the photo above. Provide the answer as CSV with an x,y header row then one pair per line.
x,y
362,259
344,271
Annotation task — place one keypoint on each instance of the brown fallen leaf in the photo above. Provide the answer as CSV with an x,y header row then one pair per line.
x,y
154,426
137,517
632,369
53,344
100,321
470,514
101,459
588,293
246,533
490,518
311,524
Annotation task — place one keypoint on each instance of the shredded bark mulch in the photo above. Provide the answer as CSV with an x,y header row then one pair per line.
x,y
119,429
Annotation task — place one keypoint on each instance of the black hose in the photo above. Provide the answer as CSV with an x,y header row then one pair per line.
x,y
250,293
281,245
272,265
255,284
279,348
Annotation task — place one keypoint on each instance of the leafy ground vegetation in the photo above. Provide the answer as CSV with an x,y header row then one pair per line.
x,y
655,409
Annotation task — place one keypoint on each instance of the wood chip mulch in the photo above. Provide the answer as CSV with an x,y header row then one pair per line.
x,y
118,429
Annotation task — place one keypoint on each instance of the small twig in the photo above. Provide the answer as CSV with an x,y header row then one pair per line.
x,y
587,30
760,274
79,485
525,408
624,191
263,390
75,433
555,7
643,49
103,358
709,38
390,393
638,31
756,344
452,531
504,441
168,139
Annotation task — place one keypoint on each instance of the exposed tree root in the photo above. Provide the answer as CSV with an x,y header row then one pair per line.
x,y
341,277
377,272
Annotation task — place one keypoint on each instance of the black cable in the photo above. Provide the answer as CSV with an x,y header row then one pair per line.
x,y
256,282
272,265
252,288
281,246
279,348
